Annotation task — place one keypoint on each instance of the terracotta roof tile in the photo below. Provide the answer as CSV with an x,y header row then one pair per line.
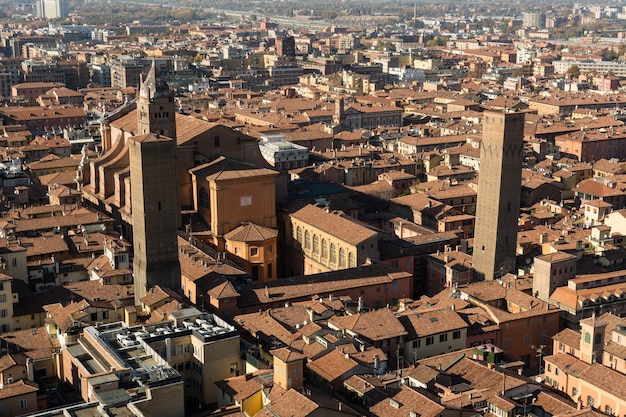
x,y
106,295
332,365
34,343
264,324
407,400
568,364
287,355
20,387
479,376
290,404
223,290
554,404
10,359
431,323
605,379
242,387
250,232
374,325
334,224
326,283
154,296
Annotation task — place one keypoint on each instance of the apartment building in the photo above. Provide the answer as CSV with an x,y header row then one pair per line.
x,y
432,333
585,295
378,328
593,145
39,120
447,269
523,321
588,364
162,368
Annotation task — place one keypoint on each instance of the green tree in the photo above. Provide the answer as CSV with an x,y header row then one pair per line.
x,y
438,41
418,24
573,71
609,55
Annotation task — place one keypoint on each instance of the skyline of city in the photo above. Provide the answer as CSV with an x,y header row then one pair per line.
x,y
295,209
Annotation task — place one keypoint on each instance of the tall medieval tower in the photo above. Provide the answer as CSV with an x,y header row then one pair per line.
x,y
154,199
499,189
156,110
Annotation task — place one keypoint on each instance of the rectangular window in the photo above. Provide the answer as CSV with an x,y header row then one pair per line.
x,y
3,298
245,201
4,313
589,401
416,344
505,343
254,251
443,337
23,404
456,334
430,340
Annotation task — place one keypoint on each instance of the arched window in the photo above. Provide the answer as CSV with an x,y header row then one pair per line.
x,y
307,239
316,244
324,249
333,253
204,198
342,258
299,235
351,262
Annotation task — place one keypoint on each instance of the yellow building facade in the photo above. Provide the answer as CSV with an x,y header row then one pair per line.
x,y
321,240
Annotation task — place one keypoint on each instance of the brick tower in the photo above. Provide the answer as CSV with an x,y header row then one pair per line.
x,y
499,189
154,201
